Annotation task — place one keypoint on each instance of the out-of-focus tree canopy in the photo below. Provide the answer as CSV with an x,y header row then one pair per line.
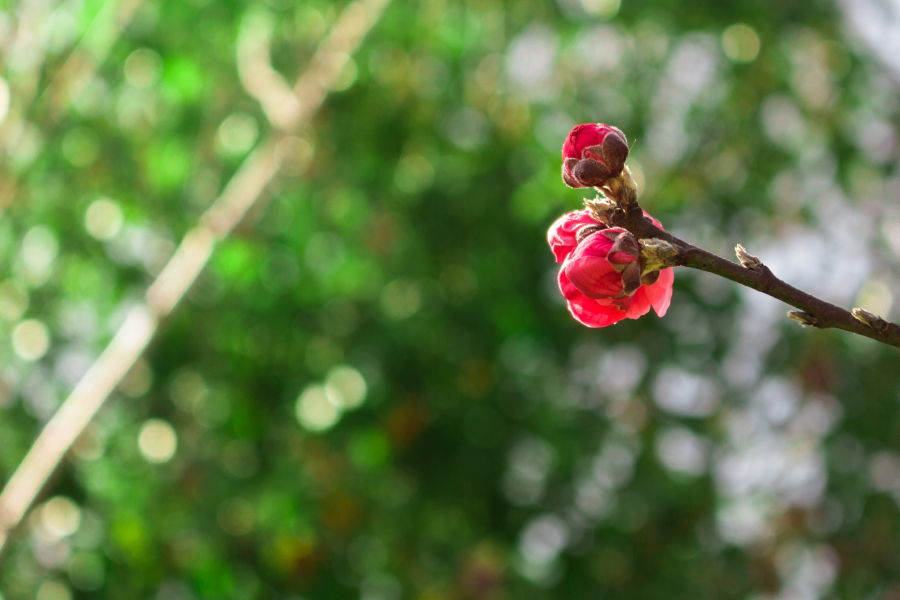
x,y
374,390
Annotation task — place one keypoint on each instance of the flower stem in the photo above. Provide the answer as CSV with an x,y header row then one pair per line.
x,y
824,314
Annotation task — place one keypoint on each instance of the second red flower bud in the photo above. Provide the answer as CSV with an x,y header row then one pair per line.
x,y
606,264
593,154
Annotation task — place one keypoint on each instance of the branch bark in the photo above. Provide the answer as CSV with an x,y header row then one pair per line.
x,y
818,313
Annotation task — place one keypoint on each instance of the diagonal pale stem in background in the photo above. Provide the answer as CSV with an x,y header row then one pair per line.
x,y
133,337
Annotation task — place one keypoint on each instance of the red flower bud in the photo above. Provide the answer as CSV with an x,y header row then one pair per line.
x,y
593,154
605,265
568,230
601,273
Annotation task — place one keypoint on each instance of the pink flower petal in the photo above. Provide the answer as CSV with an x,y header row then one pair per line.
x,y
660,293
596,246
568,290
592,313
582,136
638,304
594,277
561,235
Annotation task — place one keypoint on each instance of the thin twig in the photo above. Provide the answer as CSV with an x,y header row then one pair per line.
x,y
822,315
257,75
173,282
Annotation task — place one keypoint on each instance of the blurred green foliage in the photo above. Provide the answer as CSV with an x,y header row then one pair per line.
x,y
375,390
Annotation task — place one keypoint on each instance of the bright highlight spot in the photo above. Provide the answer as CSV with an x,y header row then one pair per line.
x,y
39,250
30,339
103,219
681,451
315,409
13,300
53,590
347,75
236,134
24,143
143,68
346,387
4,99
60,516
740,43
401,299
157,441
606,9
876,296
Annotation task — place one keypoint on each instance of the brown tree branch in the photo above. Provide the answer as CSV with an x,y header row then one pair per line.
x,y
753,274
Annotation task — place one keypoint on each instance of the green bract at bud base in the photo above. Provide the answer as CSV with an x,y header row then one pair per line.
x,y
622,189
658,254
601,208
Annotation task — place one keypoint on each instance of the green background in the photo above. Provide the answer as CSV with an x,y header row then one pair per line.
x,y
502,450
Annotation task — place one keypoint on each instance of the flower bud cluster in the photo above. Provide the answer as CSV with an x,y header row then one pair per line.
x,y
602,274
607,274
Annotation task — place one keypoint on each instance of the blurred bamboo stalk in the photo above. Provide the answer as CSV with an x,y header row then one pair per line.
x,y
133,337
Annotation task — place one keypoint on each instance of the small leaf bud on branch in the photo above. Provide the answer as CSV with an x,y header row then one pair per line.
x,y
748,261
870,319
805,319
